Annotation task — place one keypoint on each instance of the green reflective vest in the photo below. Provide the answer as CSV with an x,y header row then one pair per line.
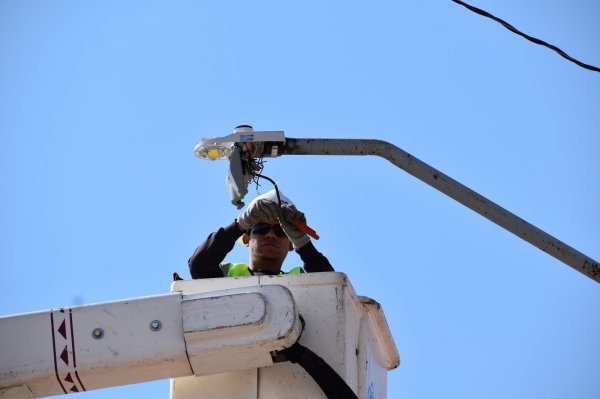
x,y
241,269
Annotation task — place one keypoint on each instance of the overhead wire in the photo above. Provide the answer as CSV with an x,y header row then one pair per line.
x,y
530,38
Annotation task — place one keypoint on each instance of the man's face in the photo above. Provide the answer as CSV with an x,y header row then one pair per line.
x,y
268,249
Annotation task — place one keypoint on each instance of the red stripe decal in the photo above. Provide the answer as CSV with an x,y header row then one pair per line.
x,y
54,352
62,330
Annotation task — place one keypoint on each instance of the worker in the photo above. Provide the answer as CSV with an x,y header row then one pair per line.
x,y
265,228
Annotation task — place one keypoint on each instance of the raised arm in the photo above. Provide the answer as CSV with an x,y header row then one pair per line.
x,y
205,261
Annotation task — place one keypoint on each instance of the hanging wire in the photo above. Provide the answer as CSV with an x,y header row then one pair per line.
x,y
530,38
256,167
274,184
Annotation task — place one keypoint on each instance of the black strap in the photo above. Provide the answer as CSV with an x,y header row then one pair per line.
x,y
330,382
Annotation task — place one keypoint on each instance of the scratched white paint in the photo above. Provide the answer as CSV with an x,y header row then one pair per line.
x,y
16,392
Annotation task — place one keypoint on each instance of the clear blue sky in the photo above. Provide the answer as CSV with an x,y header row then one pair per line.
x,y
101,104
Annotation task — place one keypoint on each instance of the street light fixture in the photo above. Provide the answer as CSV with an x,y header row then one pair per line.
x,y
246,146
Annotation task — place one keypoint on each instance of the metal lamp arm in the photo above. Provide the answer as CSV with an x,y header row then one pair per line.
x,y
453,189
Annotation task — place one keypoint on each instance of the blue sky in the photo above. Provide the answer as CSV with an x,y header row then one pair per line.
x,y
101,104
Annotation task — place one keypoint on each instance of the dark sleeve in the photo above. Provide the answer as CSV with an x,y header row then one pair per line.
x,y
205,261
314,261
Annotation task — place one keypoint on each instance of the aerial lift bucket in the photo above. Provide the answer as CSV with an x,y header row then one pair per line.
x,y
347,331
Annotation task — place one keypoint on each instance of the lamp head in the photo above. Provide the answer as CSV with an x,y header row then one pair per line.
x,y
241,148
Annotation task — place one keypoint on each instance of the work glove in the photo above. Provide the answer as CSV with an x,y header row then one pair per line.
x,y
262,210
296,236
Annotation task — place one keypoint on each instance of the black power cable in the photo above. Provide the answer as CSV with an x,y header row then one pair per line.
x,y
530,38
274,184
333,386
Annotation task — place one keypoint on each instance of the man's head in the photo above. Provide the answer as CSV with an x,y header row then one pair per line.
x,y
263,235
268,246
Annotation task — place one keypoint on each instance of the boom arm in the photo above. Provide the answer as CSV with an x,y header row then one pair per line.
x,y
124,342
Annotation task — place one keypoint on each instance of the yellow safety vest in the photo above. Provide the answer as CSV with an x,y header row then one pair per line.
x,y
241,269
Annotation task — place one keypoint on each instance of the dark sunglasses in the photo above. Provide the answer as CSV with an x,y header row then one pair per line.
x,y
263,228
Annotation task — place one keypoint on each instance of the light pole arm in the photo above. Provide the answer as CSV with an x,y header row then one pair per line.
x,y
453,189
